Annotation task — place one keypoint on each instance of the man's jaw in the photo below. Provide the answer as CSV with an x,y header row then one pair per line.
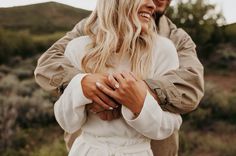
x,y
157,15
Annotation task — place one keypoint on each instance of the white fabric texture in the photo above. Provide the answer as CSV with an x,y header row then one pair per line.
x,y
152,122
102,146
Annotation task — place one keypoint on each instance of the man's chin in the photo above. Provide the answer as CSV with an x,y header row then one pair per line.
x,y
158,15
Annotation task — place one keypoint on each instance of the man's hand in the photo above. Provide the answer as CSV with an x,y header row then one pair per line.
x,y
103,114
92,92
110,115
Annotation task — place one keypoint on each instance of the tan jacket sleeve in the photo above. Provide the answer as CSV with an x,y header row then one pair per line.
x,y
181,90
53,69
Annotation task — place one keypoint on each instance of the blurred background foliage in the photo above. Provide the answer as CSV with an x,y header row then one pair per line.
x,y
27,124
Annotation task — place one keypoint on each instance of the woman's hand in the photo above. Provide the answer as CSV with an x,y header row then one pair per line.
x,y
130,91
92,92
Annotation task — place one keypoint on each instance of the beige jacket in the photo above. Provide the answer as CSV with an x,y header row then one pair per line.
x,y
180,91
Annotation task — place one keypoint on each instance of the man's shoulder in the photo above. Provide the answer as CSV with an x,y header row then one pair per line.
x,y
177,35
168,28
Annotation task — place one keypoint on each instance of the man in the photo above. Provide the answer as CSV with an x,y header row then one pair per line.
x,y
178,91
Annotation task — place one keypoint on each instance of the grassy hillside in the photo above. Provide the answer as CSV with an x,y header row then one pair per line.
x,y
45,17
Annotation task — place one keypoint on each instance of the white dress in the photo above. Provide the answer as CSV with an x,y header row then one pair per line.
x,y
126,136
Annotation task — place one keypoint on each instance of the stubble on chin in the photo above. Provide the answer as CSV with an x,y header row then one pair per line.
x,y
157,15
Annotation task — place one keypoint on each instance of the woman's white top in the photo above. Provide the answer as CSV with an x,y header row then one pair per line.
x,y
152,122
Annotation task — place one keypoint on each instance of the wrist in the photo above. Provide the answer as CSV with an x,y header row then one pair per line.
x,y
153,93
157,87
136,109
83,84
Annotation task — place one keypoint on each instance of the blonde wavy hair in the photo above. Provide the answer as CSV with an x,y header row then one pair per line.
x,y
114,27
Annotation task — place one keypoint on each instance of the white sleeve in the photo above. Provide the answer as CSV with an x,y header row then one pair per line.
x,y
152,121
69,109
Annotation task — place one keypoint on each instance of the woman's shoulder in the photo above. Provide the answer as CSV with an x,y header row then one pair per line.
x,y
77,45
164,47
75,49
165,56
80,41
164,43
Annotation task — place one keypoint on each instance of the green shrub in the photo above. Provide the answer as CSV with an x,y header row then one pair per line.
x,y
22,73
8,84
216,105
57,148
22,44
26,88
4,69
15,44
232,109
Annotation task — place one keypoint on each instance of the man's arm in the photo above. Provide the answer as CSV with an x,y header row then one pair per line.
x,y
139,109
181,90
53,69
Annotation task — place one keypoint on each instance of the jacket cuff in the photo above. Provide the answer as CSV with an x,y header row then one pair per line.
x,y
159,87
169,96
63,81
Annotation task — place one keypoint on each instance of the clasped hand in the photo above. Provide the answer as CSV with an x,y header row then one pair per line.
x,y
109,92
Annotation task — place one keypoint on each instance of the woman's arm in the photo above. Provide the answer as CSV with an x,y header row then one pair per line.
x,y
182,89
152,121
140,110
69,109
54,71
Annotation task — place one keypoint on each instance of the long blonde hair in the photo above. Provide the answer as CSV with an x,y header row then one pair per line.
x,y
114,27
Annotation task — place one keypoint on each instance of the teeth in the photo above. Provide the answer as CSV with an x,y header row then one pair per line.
x,y
145,15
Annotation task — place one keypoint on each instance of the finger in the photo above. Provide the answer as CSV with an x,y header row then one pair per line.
x,y
89,106
102,104
108,92
107,99
96,108
133,75
113,82
116,113
128,76
110,116
102,115
120,79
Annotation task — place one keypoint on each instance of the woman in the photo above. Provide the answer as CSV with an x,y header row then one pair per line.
x,y
125,39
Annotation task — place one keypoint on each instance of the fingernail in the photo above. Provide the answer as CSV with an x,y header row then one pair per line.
x,y
117,86
98,84
92,111
110,108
